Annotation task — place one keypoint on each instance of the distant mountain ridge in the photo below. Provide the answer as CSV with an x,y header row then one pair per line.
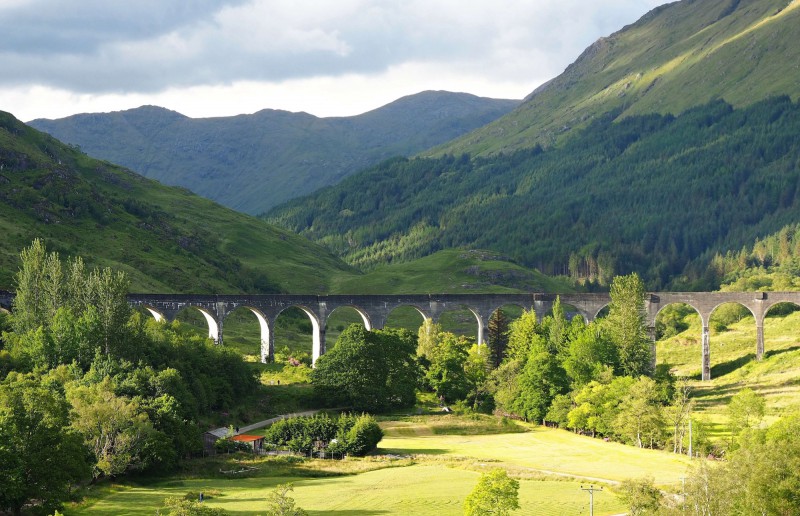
x,y
254,162
677,56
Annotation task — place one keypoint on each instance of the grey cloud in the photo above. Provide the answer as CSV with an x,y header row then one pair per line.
x,y
84,26
101,46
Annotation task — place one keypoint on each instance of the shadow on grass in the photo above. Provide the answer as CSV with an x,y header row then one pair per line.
x,y
412,451
732,365
775,352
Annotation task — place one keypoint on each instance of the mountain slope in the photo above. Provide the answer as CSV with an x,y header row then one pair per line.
x,y
645,193
677,56
165,238
253,162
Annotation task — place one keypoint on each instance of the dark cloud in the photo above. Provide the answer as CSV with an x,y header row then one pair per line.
x,y
102,46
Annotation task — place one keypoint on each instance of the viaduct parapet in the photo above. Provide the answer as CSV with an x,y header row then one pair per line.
x,y
375,309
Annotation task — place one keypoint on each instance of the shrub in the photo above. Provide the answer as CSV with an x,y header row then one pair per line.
x,y
364,436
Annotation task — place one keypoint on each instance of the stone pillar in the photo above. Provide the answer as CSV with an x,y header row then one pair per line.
x,y
268,348
651,334
759,338
483,331
706,367
541,308
319,344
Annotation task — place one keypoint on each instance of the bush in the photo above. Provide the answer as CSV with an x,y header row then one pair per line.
x,y
230,446
364,436
347,434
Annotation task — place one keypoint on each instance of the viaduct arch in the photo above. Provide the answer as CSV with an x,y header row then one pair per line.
x,y
374,310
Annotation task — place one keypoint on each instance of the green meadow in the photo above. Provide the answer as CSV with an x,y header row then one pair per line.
x,y
425,465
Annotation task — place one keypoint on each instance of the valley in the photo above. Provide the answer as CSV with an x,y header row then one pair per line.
x,y
589,296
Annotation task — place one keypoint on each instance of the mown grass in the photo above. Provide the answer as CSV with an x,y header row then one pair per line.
x,y
541,449
419,489
432,481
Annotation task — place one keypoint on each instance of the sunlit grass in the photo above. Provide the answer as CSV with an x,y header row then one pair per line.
x,y
734,366
419,489
542,449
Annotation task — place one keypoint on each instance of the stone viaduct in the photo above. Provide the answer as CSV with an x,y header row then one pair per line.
x,y
375,309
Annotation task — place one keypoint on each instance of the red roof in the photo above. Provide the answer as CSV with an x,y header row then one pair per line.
x,y
247,438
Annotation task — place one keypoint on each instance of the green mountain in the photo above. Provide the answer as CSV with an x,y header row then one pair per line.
x,y
679,55
646,193
253,162
167,239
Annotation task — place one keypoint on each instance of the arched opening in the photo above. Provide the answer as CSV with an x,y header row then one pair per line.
x,y
193,320
339,320
462,321
780,329
406,317
602,313
297,336
732,337
679,339
150,311
246,330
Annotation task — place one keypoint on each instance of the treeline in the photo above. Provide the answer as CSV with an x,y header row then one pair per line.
x,y
598,378
646,193
770,263
91,389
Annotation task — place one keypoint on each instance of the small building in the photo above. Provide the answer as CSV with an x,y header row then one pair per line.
x,y
211,437
256,442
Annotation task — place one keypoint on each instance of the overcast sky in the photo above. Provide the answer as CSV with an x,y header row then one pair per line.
x,y
326,57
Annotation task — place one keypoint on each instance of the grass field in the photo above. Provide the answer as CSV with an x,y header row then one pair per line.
x,y
426,465
418,489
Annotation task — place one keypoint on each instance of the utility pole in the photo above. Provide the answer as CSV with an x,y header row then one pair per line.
x,y
591,489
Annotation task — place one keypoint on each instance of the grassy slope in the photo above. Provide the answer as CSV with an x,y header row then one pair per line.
x,y
166,239
733,366
451,271
680,55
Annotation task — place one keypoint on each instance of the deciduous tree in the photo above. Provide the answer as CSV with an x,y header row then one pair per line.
x,y
626,326
40,455
369,370
496,493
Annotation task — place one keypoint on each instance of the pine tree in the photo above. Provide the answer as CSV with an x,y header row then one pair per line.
x,y
498,337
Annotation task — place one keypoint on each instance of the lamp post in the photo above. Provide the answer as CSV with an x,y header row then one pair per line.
x,y
591,489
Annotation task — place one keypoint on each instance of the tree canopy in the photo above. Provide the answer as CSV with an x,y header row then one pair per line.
x,y
368,370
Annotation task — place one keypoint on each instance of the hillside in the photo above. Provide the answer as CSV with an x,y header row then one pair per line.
x,y
679,55
645,193
165,238
254,162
